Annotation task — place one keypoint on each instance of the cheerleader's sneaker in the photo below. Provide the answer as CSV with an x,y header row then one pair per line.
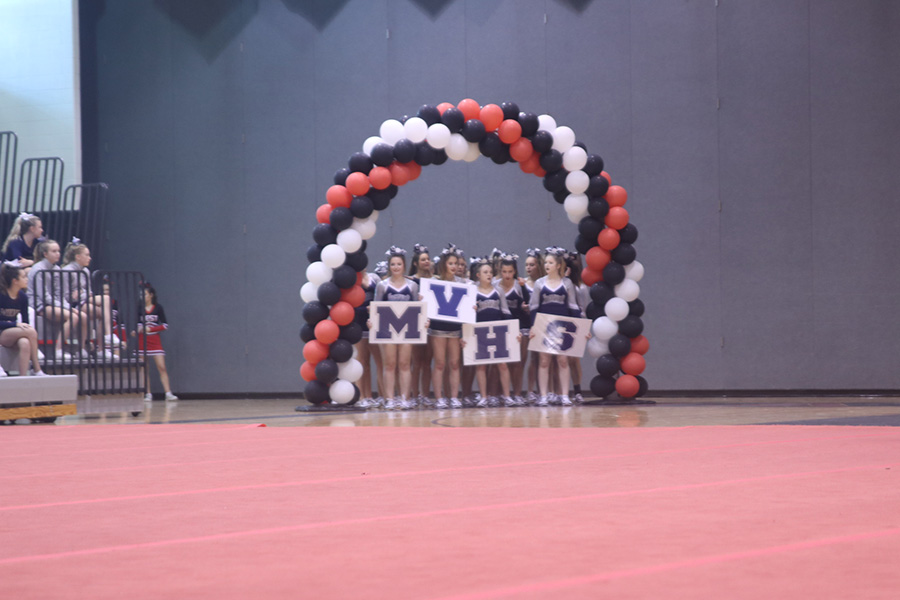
x,y
542,401
533,398
171,397
3,373
509,401
480,401
363,403
441,404
455,403
578,398
565,401
493,401
148,397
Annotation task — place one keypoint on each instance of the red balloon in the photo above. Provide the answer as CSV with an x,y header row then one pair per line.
x,y
414,169
338,195
606,175
359,277
590,276
530,164
628,386
327,331
342,313
308,371
444,106
540,172
399,175
633,363
323,213
509,131
521,149
608,239
491,116
315,351
616,195
616,218
470,109
355,295
640,344
380,178
597,258
357,184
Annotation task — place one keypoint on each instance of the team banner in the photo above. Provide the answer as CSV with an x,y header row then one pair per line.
x,y
491,342
554,334
449,300
397,323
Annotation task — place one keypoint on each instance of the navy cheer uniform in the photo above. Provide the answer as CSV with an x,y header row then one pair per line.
x,y
18,248
517,300
491,307
11,308
558,300
385,292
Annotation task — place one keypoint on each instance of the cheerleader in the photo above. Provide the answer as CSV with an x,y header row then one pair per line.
x,y
534,269
396,288
152,321
490,305
24,235
14,304
78,293
582,298
363,348
46,295
553,294
517,299
444,338
420,268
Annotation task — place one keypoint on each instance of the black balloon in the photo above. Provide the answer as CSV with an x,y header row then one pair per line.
x,y
510,110
391,191
340,351
314,312
314,253
453,118
340,176
341,218
628,234
358,260
593,311
490,145
597,186
581,145
594,165
590,228
624,254
555,181
529,123
636,307
602,386
601,293
361,207
324,234
381,199
598,208
405,150
352,332
382,155
631,326
329,293
360,163
424,154
619,345
429,114
542,141
583,244
473,130
642,386
316,392
502,156
440,157
608,365
551,160
307,333
560,196
345,277
326,371
613,273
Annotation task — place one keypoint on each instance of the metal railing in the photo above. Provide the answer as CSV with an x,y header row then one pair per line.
x,y
80,212
9,144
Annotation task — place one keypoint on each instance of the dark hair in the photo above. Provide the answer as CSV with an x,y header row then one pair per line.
x,y
8,274
414,263
507,262
575,266
146,286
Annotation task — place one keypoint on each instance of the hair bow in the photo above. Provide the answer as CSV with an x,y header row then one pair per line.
x,y
419,249
396,251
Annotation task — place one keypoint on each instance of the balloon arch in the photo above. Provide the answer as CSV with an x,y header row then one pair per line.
x,y
464,132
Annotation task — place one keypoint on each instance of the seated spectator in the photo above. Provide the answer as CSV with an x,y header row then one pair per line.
x,y
25,234
13,308
78,293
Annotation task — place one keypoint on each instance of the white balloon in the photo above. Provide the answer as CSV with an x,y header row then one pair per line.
x,y
577,182
341,391
634,270
415,129
604,328
616,309
371,143
563,139
458,147
374,216
365,227
546,123
574,159
333,256
628,290
576,205
309,292
351,370
597,348
391,131
350,240
472,153
317,273
438,136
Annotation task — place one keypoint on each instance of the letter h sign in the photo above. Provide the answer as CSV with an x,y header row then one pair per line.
x,y
491,342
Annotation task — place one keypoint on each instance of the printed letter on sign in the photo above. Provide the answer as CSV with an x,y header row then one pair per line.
x,y
397,323
491,342
449,300
560,335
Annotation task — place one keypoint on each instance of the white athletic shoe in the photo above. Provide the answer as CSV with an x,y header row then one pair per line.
x,y
455,403
533,398
3,373
148,397
171,397
480,401
441,404
542,401
363,403
565,401
509,401
578,398
38,374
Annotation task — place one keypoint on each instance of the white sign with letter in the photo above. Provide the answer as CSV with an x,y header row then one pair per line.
x,y
491,342
397,323
449,300
555,334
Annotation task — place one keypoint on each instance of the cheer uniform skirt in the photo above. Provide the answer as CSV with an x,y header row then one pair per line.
x,y
154,345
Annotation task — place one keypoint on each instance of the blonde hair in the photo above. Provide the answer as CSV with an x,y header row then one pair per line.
x,y
73,249
41,248
21,226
